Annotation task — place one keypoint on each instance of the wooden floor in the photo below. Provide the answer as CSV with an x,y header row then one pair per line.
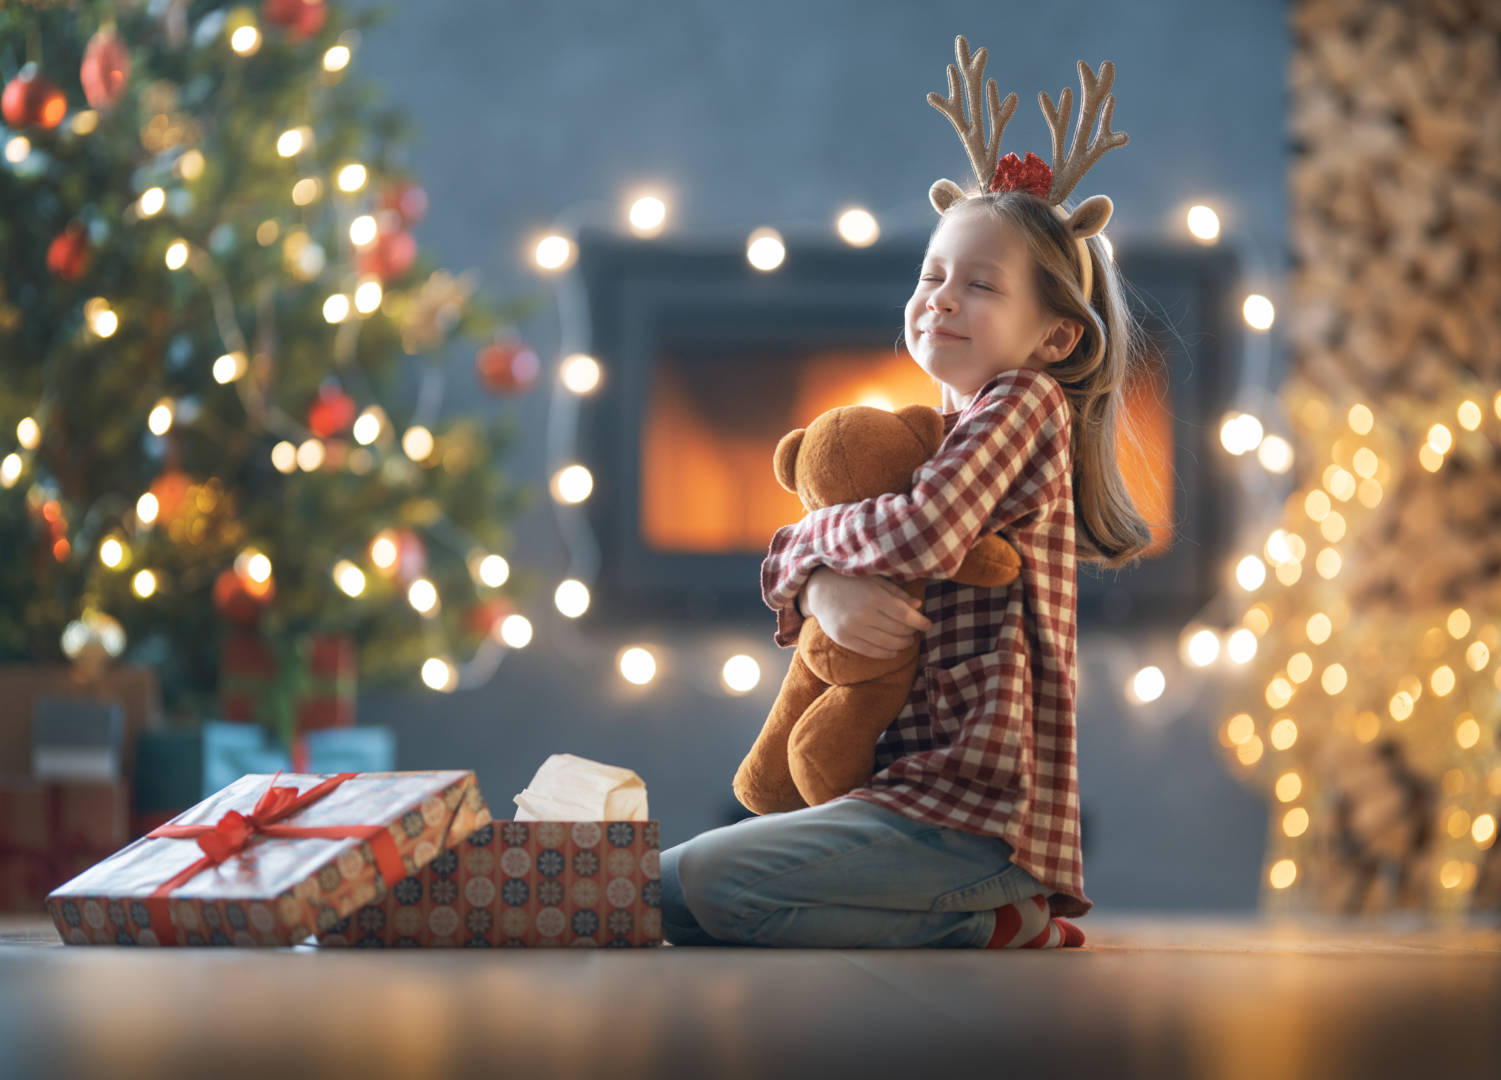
x,y
1149,996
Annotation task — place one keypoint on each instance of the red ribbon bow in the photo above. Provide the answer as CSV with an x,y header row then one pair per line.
x,y
231,833
1014,174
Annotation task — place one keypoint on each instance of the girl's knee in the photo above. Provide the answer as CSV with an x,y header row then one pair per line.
x,y
708,877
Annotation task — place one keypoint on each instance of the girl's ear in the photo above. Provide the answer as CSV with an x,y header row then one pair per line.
x,y
785,459
926,424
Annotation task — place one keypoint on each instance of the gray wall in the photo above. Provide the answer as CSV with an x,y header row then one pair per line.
x,y
780,113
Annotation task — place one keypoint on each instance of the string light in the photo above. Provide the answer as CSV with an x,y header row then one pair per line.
x,y
764,249
349,577
28,433
580,373
439,674
857,227
417,443
553,252
741,674
494,571
352,177
516,631
572,484
422,594
144,584
646,215
571,598
637,665
1203,224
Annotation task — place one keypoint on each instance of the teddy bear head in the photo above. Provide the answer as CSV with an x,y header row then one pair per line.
x,y
857,452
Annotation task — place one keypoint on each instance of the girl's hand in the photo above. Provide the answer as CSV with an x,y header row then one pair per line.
x,y
867,615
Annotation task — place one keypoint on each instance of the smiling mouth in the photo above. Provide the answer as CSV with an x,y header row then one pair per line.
x,y
940,335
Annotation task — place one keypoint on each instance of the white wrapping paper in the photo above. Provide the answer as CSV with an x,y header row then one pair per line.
x,y
569,788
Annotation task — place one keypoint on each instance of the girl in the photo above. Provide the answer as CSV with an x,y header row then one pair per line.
x,y
967,834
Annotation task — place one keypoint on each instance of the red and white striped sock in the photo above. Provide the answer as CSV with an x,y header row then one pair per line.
x,y
1027,925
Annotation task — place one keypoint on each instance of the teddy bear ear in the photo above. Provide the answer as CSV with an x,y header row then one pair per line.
x,y
786,459
926,424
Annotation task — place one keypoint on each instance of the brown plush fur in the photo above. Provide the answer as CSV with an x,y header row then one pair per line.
x,y
819,740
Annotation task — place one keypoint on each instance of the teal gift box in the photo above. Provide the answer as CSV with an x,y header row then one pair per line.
x,y
178,769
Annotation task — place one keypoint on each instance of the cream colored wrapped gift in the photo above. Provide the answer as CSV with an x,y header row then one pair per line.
x,y
569,788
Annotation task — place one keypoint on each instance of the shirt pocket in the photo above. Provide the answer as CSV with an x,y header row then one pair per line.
x,y
956,693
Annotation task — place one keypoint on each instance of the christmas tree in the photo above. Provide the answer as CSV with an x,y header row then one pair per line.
x,y
221,354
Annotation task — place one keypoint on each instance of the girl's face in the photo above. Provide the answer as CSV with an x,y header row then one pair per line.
x,y
974,313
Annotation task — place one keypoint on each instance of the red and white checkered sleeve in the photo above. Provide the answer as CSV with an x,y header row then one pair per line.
x,y
1005,458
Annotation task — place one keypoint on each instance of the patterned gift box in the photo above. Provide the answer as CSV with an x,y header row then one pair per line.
x,y
269,859
524,883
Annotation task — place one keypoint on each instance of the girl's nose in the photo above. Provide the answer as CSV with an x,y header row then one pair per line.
x,y
940,301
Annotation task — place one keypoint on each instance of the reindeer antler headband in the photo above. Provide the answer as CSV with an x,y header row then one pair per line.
x,y
1008,173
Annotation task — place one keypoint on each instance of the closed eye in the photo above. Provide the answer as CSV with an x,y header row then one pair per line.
x,y
980,284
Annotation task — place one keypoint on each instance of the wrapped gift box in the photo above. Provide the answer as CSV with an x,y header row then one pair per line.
x,y
176,769
51,829
524,883
326,696
270,859
21,685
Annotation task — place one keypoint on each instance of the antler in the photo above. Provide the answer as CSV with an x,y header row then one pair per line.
x,y
1068,171
983,154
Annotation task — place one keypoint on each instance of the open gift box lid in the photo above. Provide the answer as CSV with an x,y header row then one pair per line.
x,y
269,860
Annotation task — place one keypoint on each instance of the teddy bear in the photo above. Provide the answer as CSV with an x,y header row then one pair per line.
x,y
818,742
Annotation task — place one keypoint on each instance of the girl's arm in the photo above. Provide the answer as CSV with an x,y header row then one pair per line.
x,y
1005,458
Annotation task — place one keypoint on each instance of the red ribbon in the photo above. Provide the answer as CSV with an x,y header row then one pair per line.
x,y
231,833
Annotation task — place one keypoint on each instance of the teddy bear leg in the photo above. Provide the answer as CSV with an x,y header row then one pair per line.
x,y
764,783
832,749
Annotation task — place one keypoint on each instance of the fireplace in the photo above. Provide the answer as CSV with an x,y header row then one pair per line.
x,y
710,362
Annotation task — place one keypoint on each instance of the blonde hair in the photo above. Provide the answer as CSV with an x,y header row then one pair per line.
x,y
1110,529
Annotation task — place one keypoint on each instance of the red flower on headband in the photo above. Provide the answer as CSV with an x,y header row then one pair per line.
x,y
1014,174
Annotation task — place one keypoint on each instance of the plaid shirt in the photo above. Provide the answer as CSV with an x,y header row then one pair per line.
x,y
986,742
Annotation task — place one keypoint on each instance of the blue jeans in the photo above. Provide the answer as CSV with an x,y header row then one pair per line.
x,y
844,874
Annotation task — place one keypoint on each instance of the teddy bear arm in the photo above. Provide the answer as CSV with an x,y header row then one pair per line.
x,y
990,563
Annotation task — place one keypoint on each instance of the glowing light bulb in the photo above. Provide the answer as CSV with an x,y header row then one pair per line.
x,y
553,252
572,484
494,570
417,443
147,508
422,594
1203,224
349,577
638,665
1148,684
367,427
160,418
1258,312
857,227
571,598
284,457
647,215
580,373
439,674
177,255
28,433
352,177
741,673
111,553
516,631
764,249
144,584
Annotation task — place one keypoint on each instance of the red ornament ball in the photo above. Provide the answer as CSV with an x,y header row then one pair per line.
x,y
300,18
390,256
241,600
105,70
408,200
32,100
508,367
68,254
331,412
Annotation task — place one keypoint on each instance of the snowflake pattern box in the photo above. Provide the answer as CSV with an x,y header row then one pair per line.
x,y
275,883
524,883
